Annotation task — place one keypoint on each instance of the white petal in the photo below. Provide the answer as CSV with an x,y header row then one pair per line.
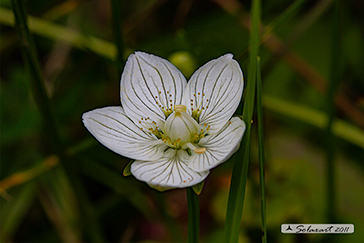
x,y
170,172
149,86
215,89
111,127
219,146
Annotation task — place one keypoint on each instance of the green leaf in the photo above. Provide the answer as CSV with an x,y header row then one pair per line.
x,y
160,188
127,171
198,187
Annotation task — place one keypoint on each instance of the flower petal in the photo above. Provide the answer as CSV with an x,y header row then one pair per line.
x,y
150,86
219,146
111,127
214,91
168,172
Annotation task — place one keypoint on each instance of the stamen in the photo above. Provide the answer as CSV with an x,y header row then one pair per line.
x,y
190,146
203,132
165,104
150,126
198,104
200,150
175,144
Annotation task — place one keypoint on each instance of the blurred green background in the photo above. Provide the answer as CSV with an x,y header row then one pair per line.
x,y
85,198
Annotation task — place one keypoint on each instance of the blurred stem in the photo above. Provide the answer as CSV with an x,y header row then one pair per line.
x,y
82,147
330,152
340,128
261,152
56,32
193,216
23,177
240,170
118,30
32,64
287,14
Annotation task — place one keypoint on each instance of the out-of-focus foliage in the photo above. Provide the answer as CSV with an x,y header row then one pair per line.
x,y
86,198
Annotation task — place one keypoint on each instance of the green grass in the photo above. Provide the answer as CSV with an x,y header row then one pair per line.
x,y
240,171
261,152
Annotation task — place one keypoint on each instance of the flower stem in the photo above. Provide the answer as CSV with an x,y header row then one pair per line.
x,y
261,152
193,215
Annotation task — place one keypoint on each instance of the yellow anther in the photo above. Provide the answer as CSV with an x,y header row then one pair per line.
x,y
200,150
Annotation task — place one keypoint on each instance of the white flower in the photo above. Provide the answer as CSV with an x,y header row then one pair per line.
x,y
175,131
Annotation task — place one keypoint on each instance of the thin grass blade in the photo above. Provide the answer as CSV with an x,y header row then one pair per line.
x,y
261,152
117,31
240,170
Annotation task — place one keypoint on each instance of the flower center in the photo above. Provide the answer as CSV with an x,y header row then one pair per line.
x,y
180,128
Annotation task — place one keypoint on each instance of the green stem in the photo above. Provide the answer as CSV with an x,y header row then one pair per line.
x,y
261,152
118,30
193,215
330,149
240,170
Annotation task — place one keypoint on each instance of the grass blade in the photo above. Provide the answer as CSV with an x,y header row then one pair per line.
x,y
261,152
340,128
13,212
33,66
57,32
117,29
287,14
240,170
